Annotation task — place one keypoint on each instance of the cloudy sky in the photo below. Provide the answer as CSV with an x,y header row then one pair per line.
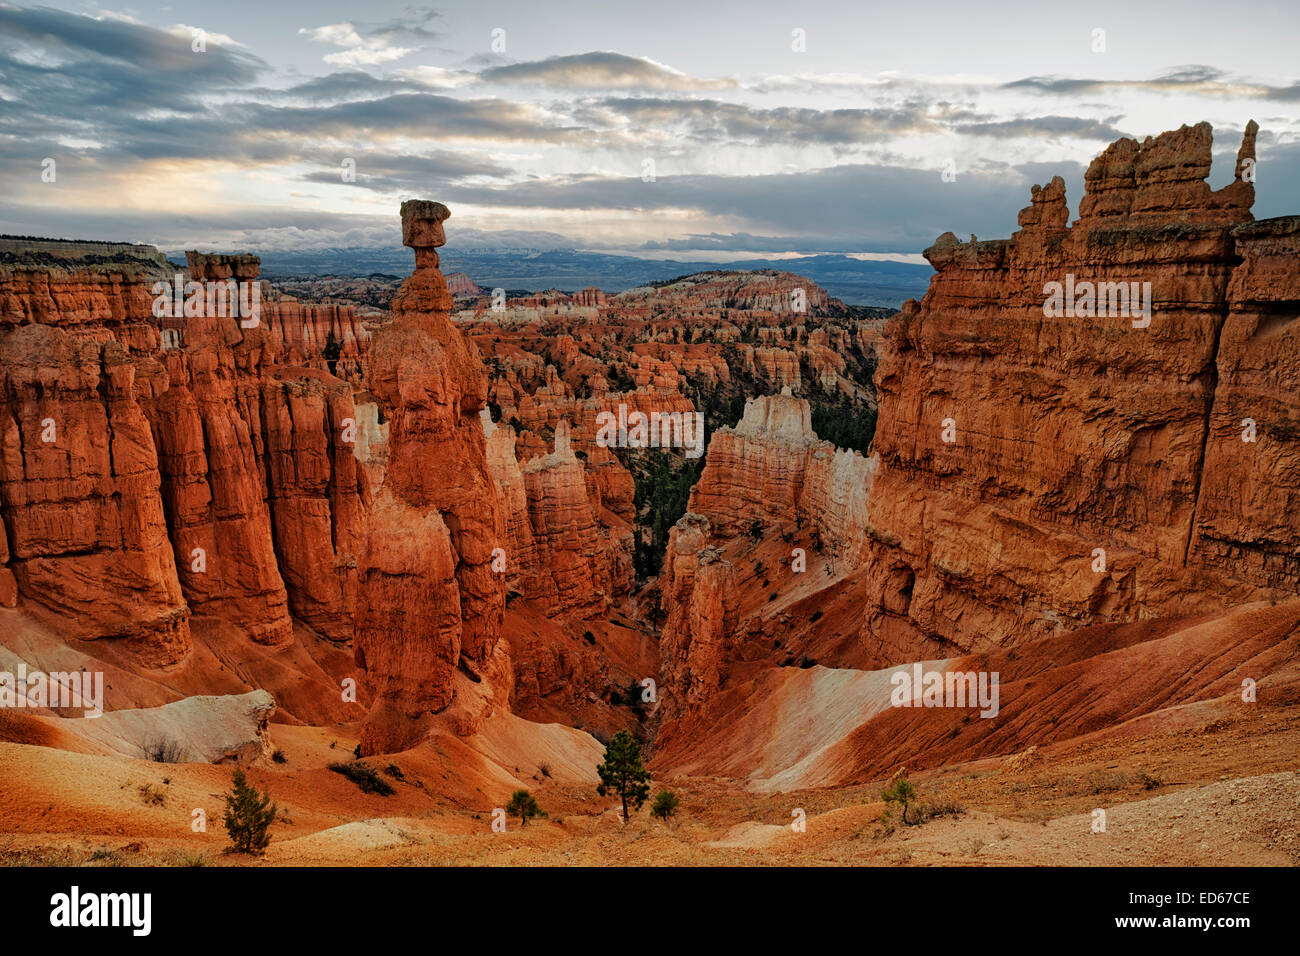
x,y
686,129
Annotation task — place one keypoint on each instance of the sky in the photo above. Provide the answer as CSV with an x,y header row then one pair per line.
x,y
691,130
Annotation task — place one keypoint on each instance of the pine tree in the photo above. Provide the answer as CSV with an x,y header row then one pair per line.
x,y
899,791
665,805
623,773
523,806
248,816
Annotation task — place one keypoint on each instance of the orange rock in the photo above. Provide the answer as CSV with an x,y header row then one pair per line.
x,y
1246,514
772,468
770,472
303,332
523,563
429,601
79,490
206,438
317,495
1074,436
568,538
701,601
208,427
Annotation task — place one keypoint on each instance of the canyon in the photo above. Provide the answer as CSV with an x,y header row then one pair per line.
x,y
398,530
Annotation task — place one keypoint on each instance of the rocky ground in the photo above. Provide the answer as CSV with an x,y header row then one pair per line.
x,y
1223,794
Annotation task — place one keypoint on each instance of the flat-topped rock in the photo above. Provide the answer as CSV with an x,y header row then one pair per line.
x,y
777,416
219,265
422,230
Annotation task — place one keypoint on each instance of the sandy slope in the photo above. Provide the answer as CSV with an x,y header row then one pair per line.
x,y
1223,792
786,728
1143,721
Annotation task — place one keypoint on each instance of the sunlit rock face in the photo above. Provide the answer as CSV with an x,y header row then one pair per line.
x,y
1018,442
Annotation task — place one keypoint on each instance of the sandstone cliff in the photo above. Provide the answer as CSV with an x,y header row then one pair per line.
x,y
86,536
698,592
771,491
772,469
325,336
560,552
318,495
1015,447
155,467
1032,472
1246,524
565,529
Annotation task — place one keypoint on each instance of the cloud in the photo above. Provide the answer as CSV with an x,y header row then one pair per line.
x,y
744,242
414,115
370,44
716,120
129,109
1196,79
358,50
437,77
872,84
600,70
229,228
73,64
1051,127
851,207
341,87
249,229
386,173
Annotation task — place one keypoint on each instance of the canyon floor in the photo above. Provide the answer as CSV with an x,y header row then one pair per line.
x,y
1221,793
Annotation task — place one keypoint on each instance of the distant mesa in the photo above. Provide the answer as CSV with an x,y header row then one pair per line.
x,y
77,253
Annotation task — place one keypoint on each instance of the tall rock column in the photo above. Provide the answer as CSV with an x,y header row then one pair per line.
x,y
207,427
429,602
700,596
317,494
565,529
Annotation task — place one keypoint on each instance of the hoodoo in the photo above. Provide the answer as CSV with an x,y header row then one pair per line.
x,y
429,603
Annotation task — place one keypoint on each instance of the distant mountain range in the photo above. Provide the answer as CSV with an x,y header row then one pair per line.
x,y
853,281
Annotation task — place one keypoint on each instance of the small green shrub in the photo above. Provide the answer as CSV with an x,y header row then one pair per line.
x,y
364,776
665,805
523,806
248,815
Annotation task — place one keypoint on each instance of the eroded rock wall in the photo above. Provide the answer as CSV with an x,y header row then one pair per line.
x,y
191,435
1014,446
